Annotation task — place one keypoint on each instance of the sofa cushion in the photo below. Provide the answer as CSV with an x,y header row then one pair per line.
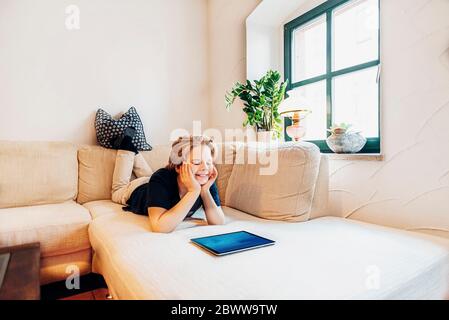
x,y
158,157
326,258
224,163
37,173
60,228
321,197
102,208
278,184
96,167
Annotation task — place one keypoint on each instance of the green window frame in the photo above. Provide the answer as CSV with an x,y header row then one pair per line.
x,y
327,8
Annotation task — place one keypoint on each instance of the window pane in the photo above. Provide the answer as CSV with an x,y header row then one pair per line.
x,y
356,101
356,27
313,98
309,50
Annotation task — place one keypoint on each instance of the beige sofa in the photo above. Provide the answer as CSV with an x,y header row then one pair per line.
x,y
38,192
47,188
59,194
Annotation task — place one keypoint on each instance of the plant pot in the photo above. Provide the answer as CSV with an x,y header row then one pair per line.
x,y
266,136
346,142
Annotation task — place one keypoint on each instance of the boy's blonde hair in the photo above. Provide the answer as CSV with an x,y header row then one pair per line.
x,y
184,145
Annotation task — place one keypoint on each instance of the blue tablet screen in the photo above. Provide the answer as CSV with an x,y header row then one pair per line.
x,y
232,242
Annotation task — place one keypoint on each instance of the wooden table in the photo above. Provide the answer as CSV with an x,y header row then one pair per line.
x,y
21,281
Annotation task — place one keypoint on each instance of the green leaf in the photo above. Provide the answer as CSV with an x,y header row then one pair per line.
x,y
261,99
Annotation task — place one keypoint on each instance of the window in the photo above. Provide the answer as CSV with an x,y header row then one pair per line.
x,y
332,59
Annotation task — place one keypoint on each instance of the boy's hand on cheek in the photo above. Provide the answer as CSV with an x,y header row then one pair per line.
x,y
212,178
188,179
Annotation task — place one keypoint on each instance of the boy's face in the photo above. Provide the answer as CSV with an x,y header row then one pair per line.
x,y
201,162
200,159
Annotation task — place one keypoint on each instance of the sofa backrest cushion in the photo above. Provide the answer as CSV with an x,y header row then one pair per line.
x,y
224,162
158,157
96,167
37,173
286,194
320,204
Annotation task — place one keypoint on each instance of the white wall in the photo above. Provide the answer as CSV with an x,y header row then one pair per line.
x,y
151,54
410,189
263,50
265,36
227,52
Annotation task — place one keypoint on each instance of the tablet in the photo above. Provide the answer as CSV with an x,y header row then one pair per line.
x,y
227,243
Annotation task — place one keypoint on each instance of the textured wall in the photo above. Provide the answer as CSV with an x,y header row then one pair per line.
x,y
410,189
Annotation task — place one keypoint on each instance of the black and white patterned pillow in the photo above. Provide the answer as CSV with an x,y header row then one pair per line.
x,y
108,128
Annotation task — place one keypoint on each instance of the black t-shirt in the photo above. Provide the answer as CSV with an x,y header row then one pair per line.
x,y
162,191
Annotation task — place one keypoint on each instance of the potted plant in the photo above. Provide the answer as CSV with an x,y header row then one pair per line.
x,y
261,100
345,140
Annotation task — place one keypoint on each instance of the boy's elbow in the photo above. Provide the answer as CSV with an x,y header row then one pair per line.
x,y
159,228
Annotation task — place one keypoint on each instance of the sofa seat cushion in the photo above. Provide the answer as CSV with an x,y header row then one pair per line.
x,y
101,208
60,228
104,209
325,258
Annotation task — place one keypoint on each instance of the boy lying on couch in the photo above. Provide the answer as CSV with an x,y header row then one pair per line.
x,y
173,193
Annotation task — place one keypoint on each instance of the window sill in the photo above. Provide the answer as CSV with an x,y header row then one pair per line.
x,y
356,156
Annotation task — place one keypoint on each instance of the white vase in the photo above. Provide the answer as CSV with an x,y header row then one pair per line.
x,y
346,142
265,136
